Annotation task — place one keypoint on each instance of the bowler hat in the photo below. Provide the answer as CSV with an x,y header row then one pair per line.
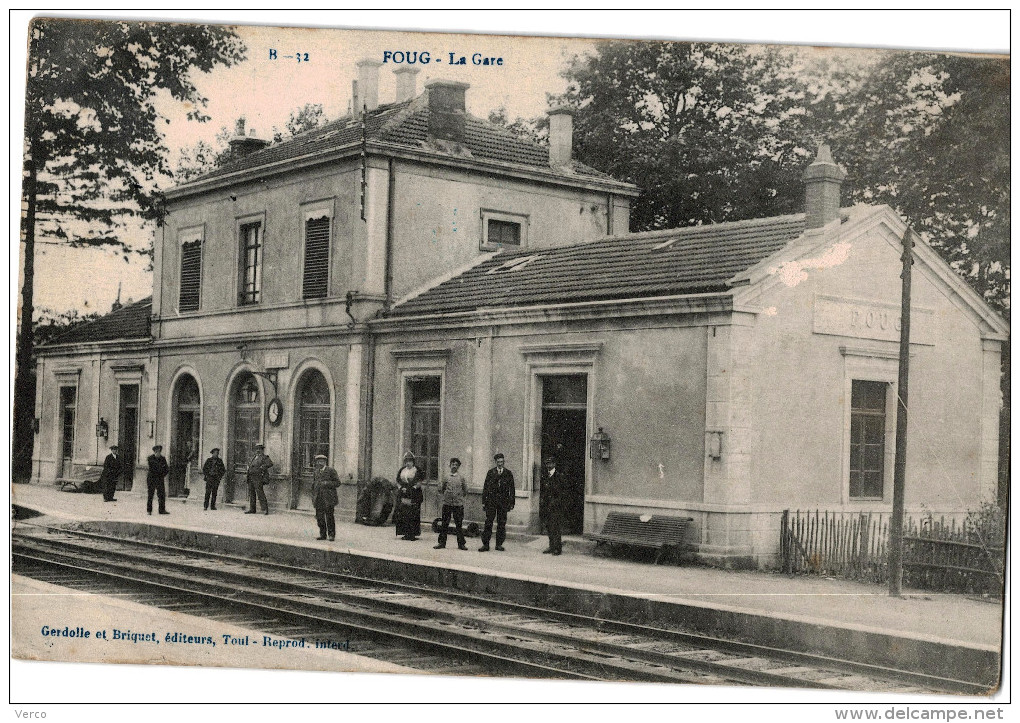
x,y
214,449
113,446
157,447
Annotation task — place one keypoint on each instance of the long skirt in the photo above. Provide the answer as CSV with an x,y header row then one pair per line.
x,y
408,519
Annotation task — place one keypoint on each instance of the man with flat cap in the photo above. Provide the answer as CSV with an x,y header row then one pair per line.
x,y
325,480
113,467
158,470
258,476
213,471
498,499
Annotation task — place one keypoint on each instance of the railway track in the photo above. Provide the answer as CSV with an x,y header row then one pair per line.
x,y
440,631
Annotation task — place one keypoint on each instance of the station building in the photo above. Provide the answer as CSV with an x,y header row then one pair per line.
x,y
413,278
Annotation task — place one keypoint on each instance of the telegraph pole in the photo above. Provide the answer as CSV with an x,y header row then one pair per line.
x,y
900,469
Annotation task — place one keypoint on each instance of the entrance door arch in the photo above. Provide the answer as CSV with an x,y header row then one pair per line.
x,y
311,427
185,433
245,431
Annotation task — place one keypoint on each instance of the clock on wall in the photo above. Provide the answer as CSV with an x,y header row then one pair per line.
x,y
275,411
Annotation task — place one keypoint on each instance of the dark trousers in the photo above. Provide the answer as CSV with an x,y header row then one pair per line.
x,y
210,493
327,521
493,513
255,489
156,487
109,487
457,512
554,527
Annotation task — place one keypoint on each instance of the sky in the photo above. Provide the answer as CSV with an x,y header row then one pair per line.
x,y
266,90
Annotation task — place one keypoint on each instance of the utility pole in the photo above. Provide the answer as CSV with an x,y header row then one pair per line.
x,y
900,468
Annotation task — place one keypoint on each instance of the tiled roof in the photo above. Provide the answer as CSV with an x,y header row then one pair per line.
x,y
404,124
129,322
696,259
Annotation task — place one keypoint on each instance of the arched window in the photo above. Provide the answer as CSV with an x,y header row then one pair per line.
x,y
245,420
185,433
312,431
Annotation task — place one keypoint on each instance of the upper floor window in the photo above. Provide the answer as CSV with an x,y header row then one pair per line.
x,y
503,230
249,289
190,297
867,439
315,283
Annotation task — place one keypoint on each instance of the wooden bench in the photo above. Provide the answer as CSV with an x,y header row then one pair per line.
x,y
87,473
658,532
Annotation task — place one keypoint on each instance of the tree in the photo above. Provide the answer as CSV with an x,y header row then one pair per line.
x,y
93,149
928,134
710,132
302,119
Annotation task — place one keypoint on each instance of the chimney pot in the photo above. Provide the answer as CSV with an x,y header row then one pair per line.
x,y
823,180
241,145
561,135
407,82
447,109
368,84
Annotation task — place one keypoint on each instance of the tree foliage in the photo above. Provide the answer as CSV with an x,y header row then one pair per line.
x,y
928,134
706,129
93,138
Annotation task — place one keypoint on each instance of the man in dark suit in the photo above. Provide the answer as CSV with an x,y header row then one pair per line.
x,y
554,496
325,480
158,470
258,476
213,471
498,498
113,467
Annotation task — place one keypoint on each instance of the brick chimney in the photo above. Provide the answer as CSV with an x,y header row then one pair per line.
x,y
561,135
446,109
407,82
822,180
368,84
242,145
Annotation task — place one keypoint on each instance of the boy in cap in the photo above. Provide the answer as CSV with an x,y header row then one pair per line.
x,y
213,471
325,480
452,491
112,469
158,470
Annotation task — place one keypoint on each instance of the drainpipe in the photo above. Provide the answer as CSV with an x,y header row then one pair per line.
x,y
390,205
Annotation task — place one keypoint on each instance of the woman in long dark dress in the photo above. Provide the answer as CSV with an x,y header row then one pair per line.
x,y
407,513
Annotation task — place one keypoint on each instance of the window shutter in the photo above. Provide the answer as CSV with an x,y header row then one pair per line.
x,y
316,276
191,276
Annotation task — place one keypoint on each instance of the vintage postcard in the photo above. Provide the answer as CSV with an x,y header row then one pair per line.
x,y
518,357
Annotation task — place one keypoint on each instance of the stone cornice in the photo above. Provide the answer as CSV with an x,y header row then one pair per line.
x,y
399,151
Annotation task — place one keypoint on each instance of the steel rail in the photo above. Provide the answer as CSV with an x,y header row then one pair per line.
x,y
879,672
461,642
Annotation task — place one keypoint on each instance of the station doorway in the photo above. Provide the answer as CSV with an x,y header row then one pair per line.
x,y
564,436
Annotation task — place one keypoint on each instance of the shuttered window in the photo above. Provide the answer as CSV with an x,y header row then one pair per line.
x,y
316,270
191,276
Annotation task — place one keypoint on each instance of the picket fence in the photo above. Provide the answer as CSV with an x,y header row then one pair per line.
x,y
943,555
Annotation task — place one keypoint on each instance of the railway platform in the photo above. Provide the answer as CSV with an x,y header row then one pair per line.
x,y
810,612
